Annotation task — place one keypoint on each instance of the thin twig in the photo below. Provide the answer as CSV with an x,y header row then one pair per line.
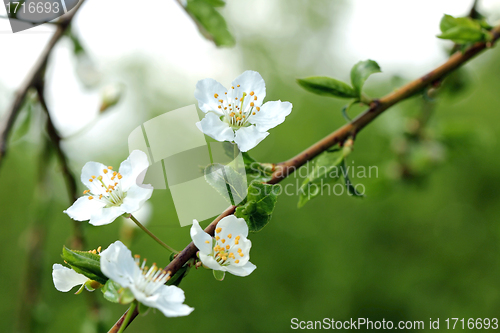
x,y
30,80
378,106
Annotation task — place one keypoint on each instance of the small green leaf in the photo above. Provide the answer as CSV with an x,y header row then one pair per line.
x,y
256,170
259,206
462,30
462,35
216,3
360,72
115,293
219,275
326,170
326,86
350,187
111,291
176,279
227,181
85,263
213,25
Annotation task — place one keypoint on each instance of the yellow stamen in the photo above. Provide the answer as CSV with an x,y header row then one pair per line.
x,y
255,98
120,176
253,113
91,197
86,191
105,171
100,196
93,177
110,168
217,237
258,109
223,240
238,85
232,87
239,250
242,255
91,180
218,230
220,100
251,93
236,261
208,242
251,104
220,107
237,237
215,95
227,247
229,236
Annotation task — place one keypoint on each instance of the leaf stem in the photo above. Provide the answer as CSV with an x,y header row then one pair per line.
x,y
127,317
139,224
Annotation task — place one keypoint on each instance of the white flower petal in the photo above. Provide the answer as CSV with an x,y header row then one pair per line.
x,y
234,226
212,126
248,137
251,81
241,270
133,169
83,208
136,197
200,238
93,169
271,114
205,94
245,245
170,302
118,265
106,215
210,262
65,278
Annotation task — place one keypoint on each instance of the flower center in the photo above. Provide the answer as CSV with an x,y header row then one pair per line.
x,y
107,188
226,250
237,106
148,280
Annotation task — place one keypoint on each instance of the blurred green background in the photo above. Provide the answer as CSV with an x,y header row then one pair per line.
x,y
423,243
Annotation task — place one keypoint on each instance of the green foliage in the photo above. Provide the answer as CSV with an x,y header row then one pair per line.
x,y
256,170
360,72
350,187
213,25
113,292
259,206
463,30
219,275
326,170
227,181
327,86
86,263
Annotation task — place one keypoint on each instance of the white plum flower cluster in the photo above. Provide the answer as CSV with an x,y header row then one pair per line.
x,y
237,115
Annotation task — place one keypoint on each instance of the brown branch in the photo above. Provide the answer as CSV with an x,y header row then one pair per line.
x,y
378,106
34,75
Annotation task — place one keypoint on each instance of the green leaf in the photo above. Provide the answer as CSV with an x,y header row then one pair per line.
x,y
85,263
462,30
326,170
326,86
360,72
176,279
213,25
227,181
259,206
113,292
350,187
449,22
216,3
462,35
256,170
219,275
